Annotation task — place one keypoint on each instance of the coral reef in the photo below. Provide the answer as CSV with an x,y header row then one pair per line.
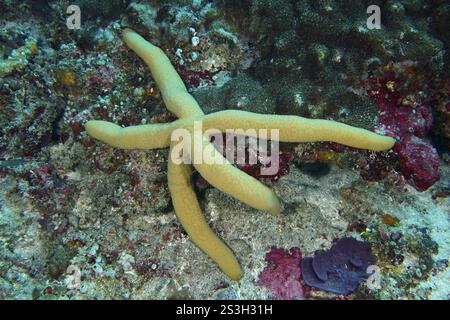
x,y
317,52
82,220
18,59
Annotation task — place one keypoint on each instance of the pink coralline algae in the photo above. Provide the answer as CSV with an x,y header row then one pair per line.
x,y
103,78
398,116
196,78
282,275
265,161
405,113
268,167
419,162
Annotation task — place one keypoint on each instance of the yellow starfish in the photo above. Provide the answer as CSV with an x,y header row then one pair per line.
x,y
220,173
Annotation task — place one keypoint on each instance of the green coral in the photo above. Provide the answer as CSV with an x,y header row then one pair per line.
x,y
19,58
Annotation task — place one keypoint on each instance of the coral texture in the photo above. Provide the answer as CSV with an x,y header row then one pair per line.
x,y
83,220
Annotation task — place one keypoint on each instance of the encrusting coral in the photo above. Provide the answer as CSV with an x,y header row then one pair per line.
x,y
18,58
218,171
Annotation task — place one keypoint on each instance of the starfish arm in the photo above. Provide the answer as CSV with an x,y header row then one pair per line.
x,y
299,129
173,90
220,173
150,136
190,216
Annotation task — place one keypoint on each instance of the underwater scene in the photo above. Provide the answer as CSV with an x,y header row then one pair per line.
x,y
224,150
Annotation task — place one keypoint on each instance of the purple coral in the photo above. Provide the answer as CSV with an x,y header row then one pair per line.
x,y
339,269
282,274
